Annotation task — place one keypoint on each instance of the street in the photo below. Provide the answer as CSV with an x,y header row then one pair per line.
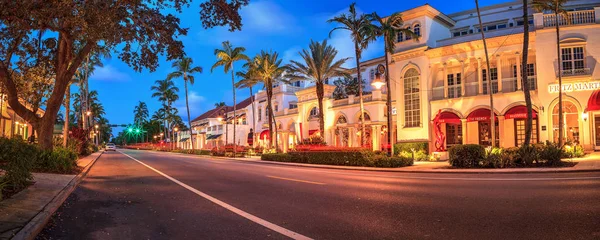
x,y
152,195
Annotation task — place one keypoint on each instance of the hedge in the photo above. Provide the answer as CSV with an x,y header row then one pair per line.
x,y
466,155
363,158
476,156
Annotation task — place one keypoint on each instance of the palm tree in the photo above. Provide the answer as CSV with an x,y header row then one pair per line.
x,y
361,32
166,92
219,104
487,62
268,69
140,113
67,103
226,57
249,80
388,28
319,66
184,69
524,80
557,8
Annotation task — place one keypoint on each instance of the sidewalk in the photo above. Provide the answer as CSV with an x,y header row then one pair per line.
x,y
23,215
589,163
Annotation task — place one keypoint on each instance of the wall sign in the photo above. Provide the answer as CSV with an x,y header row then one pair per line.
x,y
575,87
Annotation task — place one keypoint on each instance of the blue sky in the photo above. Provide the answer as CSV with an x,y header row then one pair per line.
x,y
285,26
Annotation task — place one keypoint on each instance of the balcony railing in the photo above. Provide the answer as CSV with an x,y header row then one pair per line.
x,y
471,89
293,111
454,91
340,102
572,18
576,72
437,93
509,85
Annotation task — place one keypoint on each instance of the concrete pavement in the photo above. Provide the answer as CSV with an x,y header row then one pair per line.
x,y
158,196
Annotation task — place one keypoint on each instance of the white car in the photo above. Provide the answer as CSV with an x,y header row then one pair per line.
x,y
111,147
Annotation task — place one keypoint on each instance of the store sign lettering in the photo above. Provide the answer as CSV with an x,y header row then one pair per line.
x,y
575,87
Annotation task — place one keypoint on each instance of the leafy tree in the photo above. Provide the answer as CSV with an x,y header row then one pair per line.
x,y
166,92
140,114
319,65
185,69
219,104
267,67
347,86
558,9
362,34
524,77
388,28
226,57
137,31
249,80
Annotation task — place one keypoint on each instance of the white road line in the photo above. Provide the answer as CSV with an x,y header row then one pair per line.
x,y
316,170
233,209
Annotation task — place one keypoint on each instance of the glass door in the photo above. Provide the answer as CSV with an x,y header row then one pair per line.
x,y
597,131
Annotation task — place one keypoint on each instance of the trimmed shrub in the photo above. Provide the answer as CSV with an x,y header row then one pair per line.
x,y
59,160
217,151
573,151
276,157
466,155
16,159
412,146
353,157
552,153
528,154
493,158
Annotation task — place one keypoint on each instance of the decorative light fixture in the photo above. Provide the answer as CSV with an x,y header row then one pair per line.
x,y
176,129
377,83
88,113
584,115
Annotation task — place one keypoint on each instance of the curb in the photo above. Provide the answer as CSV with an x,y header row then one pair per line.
x,y
393,170
37,223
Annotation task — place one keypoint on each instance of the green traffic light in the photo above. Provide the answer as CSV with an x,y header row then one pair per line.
x,y
137,130
130,130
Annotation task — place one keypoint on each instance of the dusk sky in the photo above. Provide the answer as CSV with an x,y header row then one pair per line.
x,y
283,26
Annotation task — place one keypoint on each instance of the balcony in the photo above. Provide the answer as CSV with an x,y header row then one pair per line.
x,y
572,18
510,85
575,72
286,89
471,89
356,100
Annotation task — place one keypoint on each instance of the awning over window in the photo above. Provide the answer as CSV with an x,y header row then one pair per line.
x,y
481,114
519,112
264,135
594,101
183,139
314,131
449,117
213,137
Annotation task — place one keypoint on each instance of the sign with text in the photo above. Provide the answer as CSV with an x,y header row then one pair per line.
x,y
575,87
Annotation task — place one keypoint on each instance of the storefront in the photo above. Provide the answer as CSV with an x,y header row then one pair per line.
x,y
480,119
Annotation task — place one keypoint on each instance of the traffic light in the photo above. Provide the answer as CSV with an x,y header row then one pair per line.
x,y
137,130
130,129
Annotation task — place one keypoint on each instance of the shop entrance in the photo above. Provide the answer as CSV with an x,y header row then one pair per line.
x,y
597,131
570,122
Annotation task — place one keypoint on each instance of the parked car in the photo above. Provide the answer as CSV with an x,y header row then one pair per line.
x,y
111,147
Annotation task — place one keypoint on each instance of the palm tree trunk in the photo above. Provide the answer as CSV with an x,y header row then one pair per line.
x,y
524,80
269,96
489,80
560,102
187,105
234,111
276,131
388,85
67,112
320,94
360,96
253,118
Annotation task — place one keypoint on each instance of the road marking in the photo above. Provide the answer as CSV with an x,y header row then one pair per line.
x,y
255,219
295,180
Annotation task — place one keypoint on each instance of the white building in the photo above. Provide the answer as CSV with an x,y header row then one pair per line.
x,y
444,73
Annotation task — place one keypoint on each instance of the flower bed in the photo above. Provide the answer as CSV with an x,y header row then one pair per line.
x,y
351,157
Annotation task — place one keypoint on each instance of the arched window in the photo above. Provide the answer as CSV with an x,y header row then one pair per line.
x,y
400,37
367,117
342,120
313,114
408,37
412,99
417,29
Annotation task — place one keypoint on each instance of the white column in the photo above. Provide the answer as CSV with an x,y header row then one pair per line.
x,y
376,136
479,76
445,80
463,123
501,131
499,70
462,78
519,79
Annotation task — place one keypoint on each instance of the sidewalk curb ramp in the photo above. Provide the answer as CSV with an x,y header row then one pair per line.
x,y
37,223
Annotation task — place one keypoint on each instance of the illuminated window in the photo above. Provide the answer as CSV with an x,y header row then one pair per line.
x,y
412,100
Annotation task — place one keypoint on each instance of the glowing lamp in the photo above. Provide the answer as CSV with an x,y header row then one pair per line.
x,y
377,83
176,129
584,116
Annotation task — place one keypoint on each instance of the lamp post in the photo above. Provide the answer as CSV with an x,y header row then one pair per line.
x,y
378,83
173,144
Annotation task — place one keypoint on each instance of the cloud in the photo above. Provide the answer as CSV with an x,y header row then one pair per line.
x,y
109,73
292,54
196,103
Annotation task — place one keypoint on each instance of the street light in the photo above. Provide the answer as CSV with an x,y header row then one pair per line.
x,y
88,113
96,126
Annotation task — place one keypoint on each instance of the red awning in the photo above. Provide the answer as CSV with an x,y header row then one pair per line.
x,y
519,112
448,117
594,101
311,132
481,114
265,135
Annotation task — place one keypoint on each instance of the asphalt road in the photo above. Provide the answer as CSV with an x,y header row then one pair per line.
x,y
168,196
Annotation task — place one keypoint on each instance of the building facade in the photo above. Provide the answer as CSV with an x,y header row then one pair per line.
x,y
439,84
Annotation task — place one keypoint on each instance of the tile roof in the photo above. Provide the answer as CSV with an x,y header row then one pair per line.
x,y
215,112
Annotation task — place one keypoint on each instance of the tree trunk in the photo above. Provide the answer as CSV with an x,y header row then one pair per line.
x,y
234,111
187,105
360,95
66,118
253,117
320,95
276,132
269,113
560,102
489,80
524,80
388,85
